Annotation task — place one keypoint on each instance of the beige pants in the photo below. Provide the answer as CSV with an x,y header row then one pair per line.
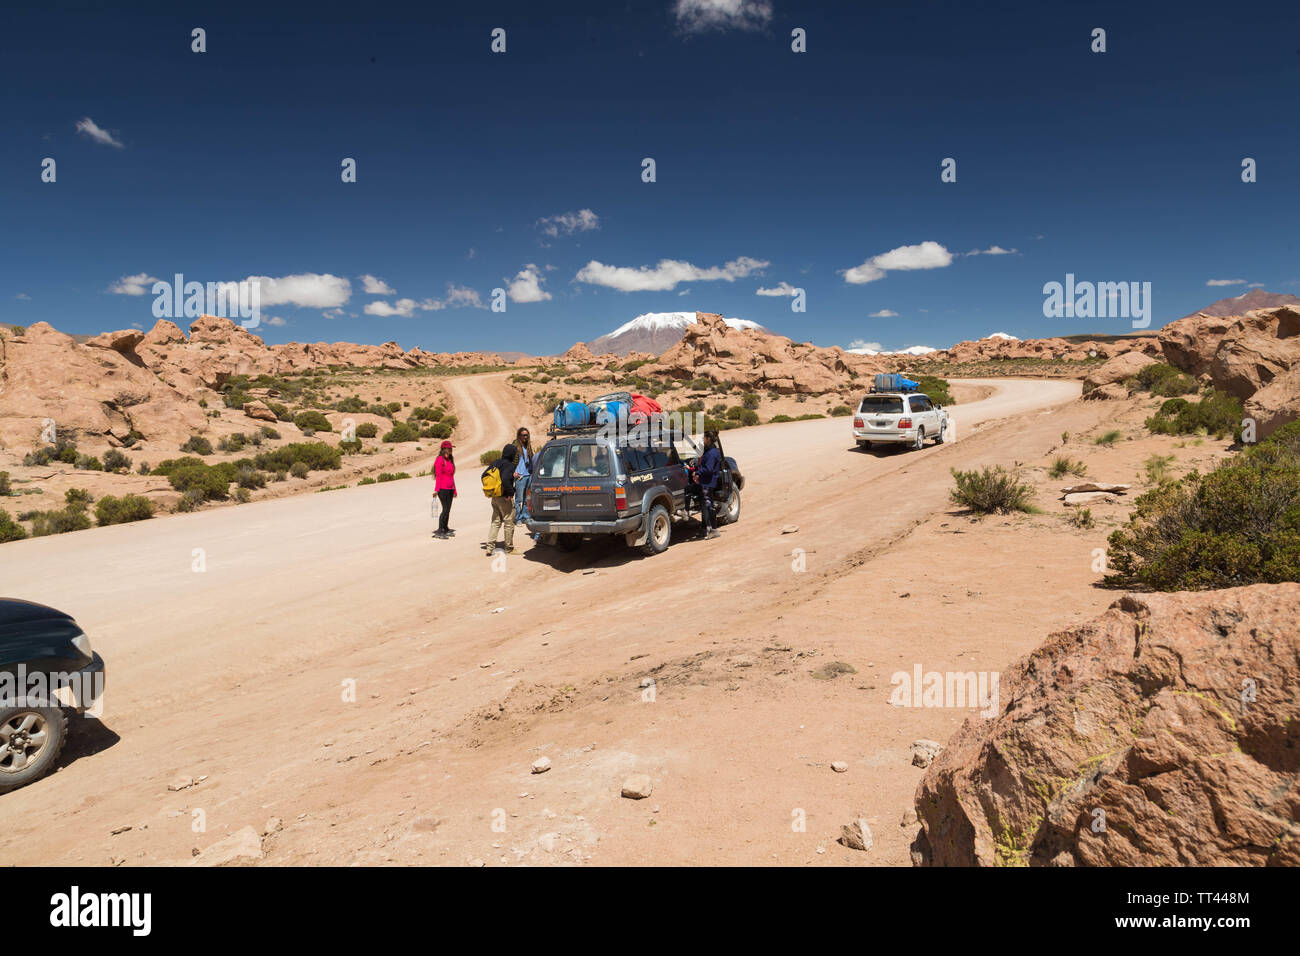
x,y
503,513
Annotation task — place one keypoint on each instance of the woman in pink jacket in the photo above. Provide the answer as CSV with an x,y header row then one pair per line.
x,y
444,486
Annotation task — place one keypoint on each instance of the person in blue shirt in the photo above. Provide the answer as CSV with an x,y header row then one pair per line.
x,y
523,473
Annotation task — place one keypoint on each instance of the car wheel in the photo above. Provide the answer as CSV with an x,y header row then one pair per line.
x,y
943,432
659,531
731,513
920,438
31,739
864,445
569,542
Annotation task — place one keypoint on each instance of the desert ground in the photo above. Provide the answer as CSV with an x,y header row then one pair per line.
x,y
234,635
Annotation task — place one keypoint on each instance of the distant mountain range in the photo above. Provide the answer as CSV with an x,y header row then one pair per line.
x,y
1254,299
654,332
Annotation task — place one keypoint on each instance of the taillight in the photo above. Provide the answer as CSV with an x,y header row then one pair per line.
x,y
620,499
904,423
857,423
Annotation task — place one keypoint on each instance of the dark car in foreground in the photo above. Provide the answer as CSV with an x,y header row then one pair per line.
x,y
47,670
587,482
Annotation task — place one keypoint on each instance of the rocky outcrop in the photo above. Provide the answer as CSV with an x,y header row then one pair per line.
x,y
1118,369
1276,404
996,348
1240,354
711,349
1166,732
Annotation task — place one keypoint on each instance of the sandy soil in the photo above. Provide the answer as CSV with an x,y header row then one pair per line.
x,y
467,669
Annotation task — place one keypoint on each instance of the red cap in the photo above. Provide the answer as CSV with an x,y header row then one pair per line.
x,y
448,444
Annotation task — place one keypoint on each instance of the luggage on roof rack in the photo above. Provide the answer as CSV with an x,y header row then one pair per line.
x,y
893,382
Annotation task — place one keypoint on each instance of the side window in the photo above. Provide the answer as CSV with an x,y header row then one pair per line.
x,y
659,458
588,461
552,462
920,403
635,459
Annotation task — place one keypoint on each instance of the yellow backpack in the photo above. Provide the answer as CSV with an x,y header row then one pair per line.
x,y
492,483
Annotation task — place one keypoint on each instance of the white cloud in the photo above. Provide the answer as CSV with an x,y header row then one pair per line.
x,y
1217,282
567,223
276,320
864,345
133,285
993,251
698,16
927,255
24,296
668,274
1255,285
784,288
333,313
883,314
89,127
403,307
527,286
460,297
308,290
373,285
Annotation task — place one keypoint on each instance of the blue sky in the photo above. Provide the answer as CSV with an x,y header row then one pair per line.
x,y
522,170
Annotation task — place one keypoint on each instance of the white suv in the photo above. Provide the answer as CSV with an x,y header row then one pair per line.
x,y
899,417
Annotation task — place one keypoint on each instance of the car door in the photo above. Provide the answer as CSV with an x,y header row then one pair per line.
x,y
923,414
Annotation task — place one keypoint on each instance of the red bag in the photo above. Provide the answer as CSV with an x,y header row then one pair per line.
x,y
645,405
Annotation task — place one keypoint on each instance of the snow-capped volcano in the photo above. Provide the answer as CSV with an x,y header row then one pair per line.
x,y
910,350
654,332
1002,335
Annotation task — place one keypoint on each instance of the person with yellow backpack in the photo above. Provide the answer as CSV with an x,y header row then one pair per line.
x,y
499,487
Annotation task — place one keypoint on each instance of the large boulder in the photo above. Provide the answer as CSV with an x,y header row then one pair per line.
x,y
1276,404
1257,348
1189,344
1118,369
1166,732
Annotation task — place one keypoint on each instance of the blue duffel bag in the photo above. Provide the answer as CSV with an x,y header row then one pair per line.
x,y
611,411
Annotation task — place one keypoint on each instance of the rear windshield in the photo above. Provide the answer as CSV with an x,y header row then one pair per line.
x,y
588,461
881,405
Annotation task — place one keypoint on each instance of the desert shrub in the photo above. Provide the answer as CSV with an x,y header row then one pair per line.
x,y
720,424
197,445
1165,380
353,404
1063,465
781,418
1238,524
1215,413
839,411
191,500
438,430
1082,518
316,456
77,498
10,530
70,518
489,456
367,430
299,469
1172,406
111,510
451,421
719,409
6,489
269,432
991,491
312,420
699,385
280,476
350,447
115,461
808,416
250,478
391,476
366,481
935,388
734,412
88,463
1157,469
233,443
422,413
1108,438
401,431
749,400
236,397
243,495
280,411
209,482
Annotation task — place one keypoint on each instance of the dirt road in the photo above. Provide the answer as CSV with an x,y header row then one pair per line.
x,y
323,661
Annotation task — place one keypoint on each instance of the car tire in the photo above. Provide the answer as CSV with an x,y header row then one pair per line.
x,y
864,445
23,760
659,531
569,542
943,432
920,438
731,513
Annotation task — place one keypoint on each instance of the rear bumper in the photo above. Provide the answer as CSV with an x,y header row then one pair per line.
x,y
866,434
618,526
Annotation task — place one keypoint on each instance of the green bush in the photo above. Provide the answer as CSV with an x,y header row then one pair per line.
x,y
1238,524
451,421
1063,465
367,430
88,463
111,510
207,482
10,530
269,432
734,413
299,469
71,518
1165,380
935,388
489,456
236,398
6,489
349,405
77,498
991,490
281,411
115,461
438,430
781,418
401,431
840,411
197,445
1108,438
1157,469
312,421
749,400
350,447
390,476
1216,413
316,456
250,478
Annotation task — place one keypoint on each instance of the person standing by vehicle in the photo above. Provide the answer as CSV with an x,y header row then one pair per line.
x,y
523,473
503,503
444,487
708,472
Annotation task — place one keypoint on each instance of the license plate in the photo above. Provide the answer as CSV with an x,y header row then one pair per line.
x,y
880,424
566,528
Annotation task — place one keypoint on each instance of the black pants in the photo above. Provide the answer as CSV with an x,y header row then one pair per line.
x,y
710,517
444,497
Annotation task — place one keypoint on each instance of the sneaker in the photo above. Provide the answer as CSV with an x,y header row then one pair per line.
x,y
441,535
512,550
451,531
712,533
